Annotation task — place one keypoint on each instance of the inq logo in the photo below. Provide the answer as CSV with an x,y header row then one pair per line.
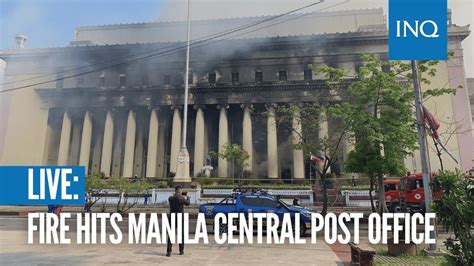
x,y
432,27
417,30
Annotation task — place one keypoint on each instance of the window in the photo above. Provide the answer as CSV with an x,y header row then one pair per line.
x,y
102,80
269,203
60,82
308,74
167,80
190,78
250,201
390,187
212,78
258,75
80,81
235,77
145,79
416,183
122,80
282,75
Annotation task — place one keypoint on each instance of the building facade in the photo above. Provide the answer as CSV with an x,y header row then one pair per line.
x,y
123,114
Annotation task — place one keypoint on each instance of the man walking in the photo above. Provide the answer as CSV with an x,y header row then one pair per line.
x,y
177,202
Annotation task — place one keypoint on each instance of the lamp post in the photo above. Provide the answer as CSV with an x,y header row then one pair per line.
x,y
182,171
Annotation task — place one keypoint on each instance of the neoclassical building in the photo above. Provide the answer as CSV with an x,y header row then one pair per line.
x,y
126,120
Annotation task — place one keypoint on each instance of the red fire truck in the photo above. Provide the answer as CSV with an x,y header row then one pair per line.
x,y
406,193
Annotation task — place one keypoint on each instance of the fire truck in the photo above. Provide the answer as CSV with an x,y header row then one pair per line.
x,y
406,193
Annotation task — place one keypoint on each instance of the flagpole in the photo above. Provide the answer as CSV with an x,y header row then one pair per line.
x,y
422,144
182,171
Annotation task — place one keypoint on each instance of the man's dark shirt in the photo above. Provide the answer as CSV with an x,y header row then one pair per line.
x,y
177,203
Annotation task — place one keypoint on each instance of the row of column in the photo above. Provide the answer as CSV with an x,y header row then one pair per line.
x,y
200,141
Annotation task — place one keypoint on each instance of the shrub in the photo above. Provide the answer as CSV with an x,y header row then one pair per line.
x,y
455,211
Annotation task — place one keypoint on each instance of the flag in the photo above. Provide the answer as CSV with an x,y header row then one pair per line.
x,y
317,158
431,122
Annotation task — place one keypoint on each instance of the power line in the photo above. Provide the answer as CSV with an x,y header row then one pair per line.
x,y
176,49
207,37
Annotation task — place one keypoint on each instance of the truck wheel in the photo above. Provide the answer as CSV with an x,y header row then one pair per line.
x,y
223,228
302,228
396,208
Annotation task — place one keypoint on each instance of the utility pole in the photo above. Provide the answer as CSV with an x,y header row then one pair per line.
x,y
422,144
182,171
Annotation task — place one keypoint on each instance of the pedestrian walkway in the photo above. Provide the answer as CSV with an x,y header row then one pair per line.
x,y
15,251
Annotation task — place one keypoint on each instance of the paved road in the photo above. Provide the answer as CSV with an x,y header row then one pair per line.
x,y
15,250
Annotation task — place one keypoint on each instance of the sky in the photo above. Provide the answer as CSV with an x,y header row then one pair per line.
x,y
52,23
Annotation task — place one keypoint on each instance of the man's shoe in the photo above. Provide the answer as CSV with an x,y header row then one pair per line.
x,y
181,252
168,254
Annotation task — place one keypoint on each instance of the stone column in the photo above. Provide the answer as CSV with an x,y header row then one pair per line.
x,y
175,139
86,141
223,169
199,140
152,144
298,157
106,160
75,145
272,144
63,154
247,142
129,154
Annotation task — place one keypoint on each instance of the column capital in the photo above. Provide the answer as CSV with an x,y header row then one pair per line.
x,y
199,106
220,106
151,108
270,106
179,107
246,105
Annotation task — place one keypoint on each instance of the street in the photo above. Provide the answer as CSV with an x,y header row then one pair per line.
x,y
15,250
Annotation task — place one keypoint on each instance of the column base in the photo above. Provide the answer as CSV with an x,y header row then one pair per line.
x,y
182,170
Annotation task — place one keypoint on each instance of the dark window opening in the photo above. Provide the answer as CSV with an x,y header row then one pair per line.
x,y
80,81
212,78
145,79
167,80
235,77
258,76
190,78
282,75
122,80
60,82
308,74
102,80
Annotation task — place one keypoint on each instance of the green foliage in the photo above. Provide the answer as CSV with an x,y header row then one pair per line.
x,y
234,153
204,181
455,211
126,188
95,185
377,112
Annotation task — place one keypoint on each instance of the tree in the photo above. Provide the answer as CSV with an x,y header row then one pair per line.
x,y
377,111
95,187
235,154
328,146
455,210
127,188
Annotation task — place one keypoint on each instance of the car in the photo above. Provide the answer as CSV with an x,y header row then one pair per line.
x,y
256,202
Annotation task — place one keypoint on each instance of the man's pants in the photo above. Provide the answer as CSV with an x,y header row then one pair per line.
x,y
169,246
